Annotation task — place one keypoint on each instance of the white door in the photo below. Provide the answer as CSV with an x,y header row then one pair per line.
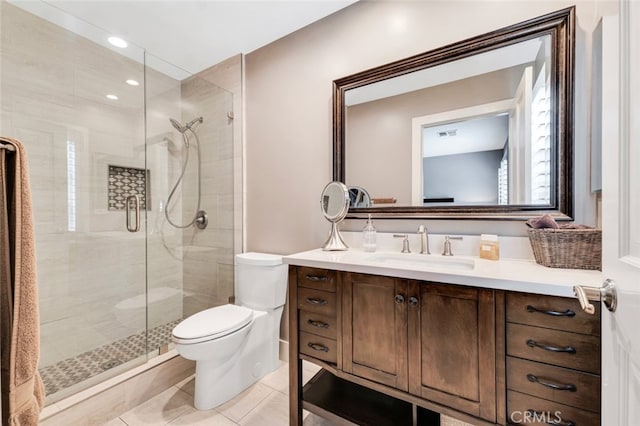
x,y
621,224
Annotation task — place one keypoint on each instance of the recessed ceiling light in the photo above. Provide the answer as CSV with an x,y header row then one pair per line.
x,y
112,97
133,82
117,42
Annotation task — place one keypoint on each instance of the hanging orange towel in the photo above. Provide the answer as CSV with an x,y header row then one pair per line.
x,y
22,389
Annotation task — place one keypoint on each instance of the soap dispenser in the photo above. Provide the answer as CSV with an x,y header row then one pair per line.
x,y
369,236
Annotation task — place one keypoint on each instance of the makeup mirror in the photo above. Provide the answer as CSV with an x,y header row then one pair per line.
x,y
334,203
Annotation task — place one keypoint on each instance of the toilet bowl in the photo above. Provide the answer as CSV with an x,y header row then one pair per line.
x,y
235,345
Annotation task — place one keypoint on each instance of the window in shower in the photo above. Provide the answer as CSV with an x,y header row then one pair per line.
x,y
71,186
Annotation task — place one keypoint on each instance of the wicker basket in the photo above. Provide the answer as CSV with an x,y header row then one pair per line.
x,y
567,248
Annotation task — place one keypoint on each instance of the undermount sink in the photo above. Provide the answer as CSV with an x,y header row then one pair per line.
x,y
422,261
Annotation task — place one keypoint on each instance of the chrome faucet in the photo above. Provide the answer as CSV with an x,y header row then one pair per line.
x,y
446,251
424,239
405,242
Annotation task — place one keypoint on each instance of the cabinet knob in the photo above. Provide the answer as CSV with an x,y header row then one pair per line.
x,y
316,301
568,349
413,301
557,386
399,299
568,313
318,347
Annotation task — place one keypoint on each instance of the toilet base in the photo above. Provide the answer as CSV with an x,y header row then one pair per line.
x,y
217,383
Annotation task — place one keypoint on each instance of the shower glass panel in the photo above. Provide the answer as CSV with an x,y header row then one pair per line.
x,y
66,98
96,123
189,269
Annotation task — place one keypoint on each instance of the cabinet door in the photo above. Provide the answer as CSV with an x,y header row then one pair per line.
x,y
452,355
375,328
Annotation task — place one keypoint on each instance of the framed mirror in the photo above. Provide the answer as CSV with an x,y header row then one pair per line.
x,y
482,128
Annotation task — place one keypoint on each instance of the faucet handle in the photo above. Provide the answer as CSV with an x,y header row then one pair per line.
x,y
405,242
446,251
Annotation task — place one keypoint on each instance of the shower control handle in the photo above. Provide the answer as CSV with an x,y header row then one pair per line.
x,y
135,200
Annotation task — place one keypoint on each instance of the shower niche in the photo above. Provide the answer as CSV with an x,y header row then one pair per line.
x,y
126,181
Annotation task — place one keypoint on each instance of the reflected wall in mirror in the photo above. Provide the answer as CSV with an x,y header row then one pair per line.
x,y
480,128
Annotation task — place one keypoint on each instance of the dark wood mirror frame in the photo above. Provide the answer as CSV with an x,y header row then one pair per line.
x,y
560,26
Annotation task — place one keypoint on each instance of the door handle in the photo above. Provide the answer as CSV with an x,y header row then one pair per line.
x,y
607,294
135,200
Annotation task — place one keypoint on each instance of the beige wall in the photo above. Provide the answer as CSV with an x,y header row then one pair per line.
x,y
289,112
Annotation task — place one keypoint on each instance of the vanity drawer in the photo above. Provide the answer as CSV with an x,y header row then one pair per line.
x,y
577,389
319,279
527,410
559,313
318,347
572,350
321,302
319,324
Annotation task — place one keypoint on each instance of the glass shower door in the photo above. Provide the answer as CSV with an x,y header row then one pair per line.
x,y
68,100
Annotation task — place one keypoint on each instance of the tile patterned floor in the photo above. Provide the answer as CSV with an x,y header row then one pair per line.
x,y
264,404
72,371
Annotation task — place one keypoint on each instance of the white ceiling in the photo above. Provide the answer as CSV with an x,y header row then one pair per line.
x,y
474,135
192,35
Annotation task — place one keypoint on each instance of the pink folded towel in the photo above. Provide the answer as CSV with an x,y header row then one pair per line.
x,y
547,221
544,221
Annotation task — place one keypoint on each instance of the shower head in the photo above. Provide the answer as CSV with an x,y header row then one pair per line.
x,y
179,127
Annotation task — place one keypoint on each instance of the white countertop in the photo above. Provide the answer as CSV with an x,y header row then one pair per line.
x,y
505,274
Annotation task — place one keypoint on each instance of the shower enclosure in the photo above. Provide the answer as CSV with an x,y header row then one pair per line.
x,y
103,128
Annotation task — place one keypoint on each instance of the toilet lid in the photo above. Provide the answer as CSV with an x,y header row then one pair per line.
x,y
212,323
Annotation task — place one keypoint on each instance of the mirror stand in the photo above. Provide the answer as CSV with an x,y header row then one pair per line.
x,y
335,241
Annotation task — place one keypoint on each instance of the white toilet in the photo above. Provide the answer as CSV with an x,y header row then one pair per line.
x,y
235,345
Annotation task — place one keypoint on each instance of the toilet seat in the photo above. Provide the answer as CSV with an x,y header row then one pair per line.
x,y
212,323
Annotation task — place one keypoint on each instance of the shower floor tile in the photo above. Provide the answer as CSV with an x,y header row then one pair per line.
x,y
71,371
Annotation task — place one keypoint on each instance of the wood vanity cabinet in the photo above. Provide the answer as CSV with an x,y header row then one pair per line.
x,y
433,341
430,345
406,348
553,361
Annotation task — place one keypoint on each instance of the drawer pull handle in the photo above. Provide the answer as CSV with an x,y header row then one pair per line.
x,y
316,278
318,347
318,324
568,387
567,349
549,419
399,299
315,301
568,313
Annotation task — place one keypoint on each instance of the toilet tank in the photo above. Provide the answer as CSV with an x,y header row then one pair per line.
x,y
261,281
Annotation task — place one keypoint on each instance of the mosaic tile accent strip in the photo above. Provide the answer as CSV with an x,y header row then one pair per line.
x,y
72,371
126,181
